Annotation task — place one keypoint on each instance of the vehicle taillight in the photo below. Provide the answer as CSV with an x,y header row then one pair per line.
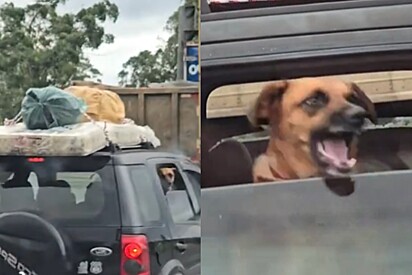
x,y
132,251
135,259
35,160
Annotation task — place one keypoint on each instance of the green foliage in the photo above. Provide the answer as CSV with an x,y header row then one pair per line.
x,y
160,66
39,46
149,69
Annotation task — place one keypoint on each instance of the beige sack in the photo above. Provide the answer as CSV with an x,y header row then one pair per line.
x,y
103,105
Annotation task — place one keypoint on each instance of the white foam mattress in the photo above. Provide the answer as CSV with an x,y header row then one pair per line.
x,y
75,140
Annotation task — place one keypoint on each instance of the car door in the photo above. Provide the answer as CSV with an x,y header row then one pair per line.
x,y
191,172
301,227
183,209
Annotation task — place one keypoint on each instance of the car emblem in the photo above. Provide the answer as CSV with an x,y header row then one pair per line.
x,y
101,251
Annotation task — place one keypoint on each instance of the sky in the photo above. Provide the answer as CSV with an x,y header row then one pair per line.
x,y
140,26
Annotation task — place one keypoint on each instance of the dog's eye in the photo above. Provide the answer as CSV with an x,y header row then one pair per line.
x,y
311,101
319,99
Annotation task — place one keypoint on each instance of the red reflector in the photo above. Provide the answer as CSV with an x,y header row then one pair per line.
x,y
132,251
135,251
35,160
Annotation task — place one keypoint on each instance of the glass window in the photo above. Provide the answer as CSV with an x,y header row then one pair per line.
x,y
175,190
144,190
194,180
63,194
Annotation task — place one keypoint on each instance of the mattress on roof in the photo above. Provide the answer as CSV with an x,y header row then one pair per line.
x,y
75,140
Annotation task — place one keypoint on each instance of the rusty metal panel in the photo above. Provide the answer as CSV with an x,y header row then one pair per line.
x,y
301,227
171,112
130,103
175,120
188,123
141,118
158,114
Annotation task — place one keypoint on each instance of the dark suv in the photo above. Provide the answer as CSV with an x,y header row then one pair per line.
x,y
102,214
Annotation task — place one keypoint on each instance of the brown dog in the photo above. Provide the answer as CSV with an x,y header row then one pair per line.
x,y
314,124
169,176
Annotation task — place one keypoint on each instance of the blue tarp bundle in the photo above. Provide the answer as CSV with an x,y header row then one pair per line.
x,y
45,108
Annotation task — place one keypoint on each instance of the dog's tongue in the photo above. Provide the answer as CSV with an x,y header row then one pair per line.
x,y
335,152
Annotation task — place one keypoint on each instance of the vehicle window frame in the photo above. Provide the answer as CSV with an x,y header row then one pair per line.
x,y
194,201
189,189
198,198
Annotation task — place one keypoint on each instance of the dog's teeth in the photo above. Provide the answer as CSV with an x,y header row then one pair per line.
x,y
321,147
351,162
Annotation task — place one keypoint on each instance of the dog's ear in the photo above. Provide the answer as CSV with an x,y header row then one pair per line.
x,y
261,110
363,100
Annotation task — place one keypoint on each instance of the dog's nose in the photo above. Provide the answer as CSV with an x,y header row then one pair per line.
x,y
351,118
355,115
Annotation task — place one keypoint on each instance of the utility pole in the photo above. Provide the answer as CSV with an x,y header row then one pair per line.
x,y
188,29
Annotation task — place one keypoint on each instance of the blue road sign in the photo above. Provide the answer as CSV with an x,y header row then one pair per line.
x,y
192,63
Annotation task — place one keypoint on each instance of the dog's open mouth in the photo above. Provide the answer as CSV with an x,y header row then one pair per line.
x,y
332,152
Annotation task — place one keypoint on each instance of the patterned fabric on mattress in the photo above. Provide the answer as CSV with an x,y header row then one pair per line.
x,y
75,140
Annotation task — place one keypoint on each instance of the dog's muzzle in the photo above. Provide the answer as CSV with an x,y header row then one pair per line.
x,y
330,145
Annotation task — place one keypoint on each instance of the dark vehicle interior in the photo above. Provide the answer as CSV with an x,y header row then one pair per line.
x,y
56,188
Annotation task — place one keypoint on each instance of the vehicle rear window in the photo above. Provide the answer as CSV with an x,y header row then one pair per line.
x,y
65,189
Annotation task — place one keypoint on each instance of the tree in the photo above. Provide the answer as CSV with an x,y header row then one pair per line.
x,y
148,70
160,66
41,47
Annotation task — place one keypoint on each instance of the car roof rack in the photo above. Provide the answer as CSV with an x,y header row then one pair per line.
x,y
113,147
